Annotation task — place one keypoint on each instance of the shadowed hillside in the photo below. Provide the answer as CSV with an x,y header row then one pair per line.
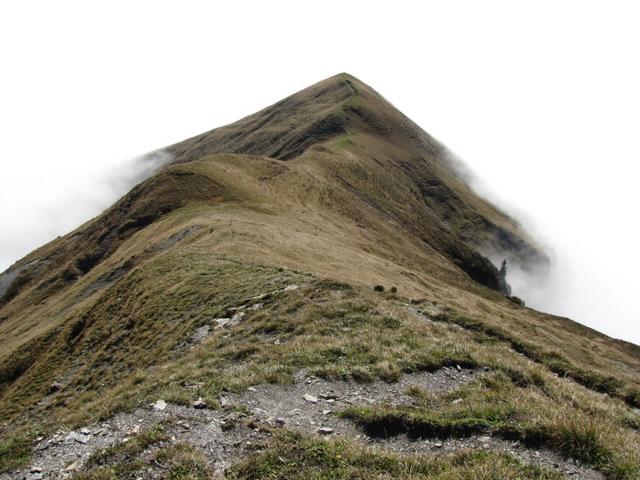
x,y
252,258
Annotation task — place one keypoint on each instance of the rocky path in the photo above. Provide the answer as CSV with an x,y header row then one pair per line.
x,y
308,406
311,404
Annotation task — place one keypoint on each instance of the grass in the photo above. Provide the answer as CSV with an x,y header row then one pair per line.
x,y
294,457
15,451
183,462
375,207
122,461
296,330
553,360
495,405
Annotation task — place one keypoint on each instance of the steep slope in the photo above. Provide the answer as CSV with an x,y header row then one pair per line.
x,y
347,114
251,258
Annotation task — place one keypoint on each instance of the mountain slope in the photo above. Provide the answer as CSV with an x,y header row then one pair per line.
x,y
329,192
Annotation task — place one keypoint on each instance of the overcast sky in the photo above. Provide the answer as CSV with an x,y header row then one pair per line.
x,y
540,99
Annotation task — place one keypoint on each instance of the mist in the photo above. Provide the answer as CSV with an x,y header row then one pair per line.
x,y
591,275
52,212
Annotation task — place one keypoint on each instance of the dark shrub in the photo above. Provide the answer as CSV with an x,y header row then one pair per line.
x,y
516,300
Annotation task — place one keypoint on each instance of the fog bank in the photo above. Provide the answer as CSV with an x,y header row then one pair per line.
x,y
44,208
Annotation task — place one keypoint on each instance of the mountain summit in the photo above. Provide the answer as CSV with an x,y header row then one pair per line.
x,y
310,258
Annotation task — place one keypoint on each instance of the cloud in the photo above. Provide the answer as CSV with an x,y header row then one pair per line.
x,y
35,214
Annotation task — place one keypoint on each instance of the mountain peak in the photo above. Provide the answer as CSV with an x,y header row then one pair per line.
x,y
322,241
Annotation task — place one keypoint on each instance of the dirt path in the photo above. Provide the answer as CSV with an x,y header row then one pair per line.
x,y
308,406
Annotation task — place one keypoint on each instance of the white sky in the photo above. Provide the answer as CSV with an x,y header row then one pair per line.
x,y
541,99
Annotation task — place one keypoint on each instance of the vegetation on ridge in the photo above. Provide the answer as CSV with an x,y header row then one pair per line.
x,y
355,259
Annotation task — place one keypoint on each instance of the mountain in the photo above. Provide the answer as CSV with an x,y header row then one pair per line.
x,y
318,269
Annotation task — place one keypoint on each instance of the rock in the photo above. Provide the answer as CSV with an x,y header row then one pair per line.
x,y
80,438
458,367
438,444
325,431
85,431
193,385
35,469
229,322
236,319
329,396
290,288
54,387
276,422
222,322
457,401
252,389
199,404
159,405
310,398
73,466
200,334
326,412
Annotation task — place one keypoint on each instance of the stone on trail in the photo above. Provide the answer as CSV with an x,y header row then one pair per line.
x,y
329,396
159,405
325,431
276,422
78,437
199,404
310,398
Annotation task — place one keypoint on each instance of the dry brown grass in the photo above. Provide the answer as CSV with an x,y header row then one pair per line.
x,y
373,203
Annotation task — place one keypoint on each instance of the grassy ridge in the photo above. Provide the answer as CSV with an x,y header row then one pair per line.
x,y
365,198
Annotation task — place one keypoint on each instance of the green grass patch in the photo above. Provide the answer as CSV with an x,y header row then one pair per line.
x,y
123,459
15,452
554,361
496,406
183,461
294,457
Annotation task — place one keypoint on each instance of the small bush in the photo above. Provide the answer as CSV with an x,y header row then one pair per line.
x,y
184,461
517,300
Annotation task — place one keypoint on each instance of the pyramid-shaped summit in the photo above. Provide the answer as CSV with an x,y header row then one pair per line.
x,y
320,248
343,111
